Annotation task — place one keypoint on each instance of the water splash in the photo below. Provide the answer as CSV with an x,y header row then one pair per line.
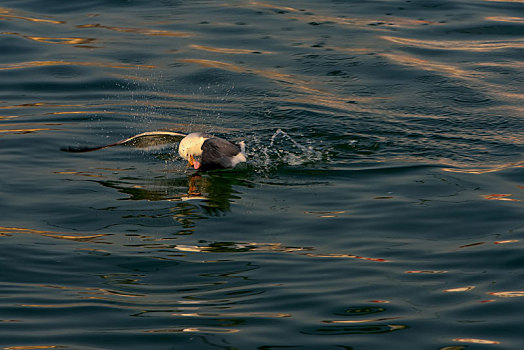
x,y
282,150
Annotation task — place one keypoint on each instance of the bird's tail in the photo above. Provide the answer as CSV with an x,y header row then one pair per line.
x,y
242,145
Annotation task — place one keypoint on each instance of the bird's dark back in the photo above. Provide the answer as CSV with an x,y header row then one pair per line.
x,y
217,153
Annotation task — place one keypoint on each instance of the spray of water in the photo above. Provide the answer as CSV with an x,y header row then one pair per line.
x,y
282,150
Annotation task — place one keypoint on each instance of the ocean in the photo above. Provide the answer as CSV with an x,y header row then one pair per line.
x,y
381,206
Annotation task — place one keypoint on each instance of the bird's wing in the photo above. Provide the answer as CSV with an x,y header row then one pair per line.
x,y
217,153
143,140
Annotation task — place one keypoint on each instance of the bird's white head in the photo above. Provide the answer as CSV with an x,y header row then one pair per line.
x,y
191,145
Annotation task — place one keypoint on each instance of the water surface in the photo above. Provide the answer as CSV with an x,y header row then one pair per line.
x,y
381,207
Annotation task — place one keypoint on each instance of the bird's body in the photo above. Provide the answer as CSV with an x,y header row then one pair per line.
x,y
204,152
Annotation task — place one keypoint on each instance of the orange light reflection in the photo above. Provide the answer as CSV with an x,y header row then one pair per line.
x,y
53,234
427,271
381,24
460,45
273,6
253,246
57,40
350,256
506,241
380,301
38,104
517,1
362,321
24,131
31,64
312,95
458,290
31,19
194,330
476,341
233,314
33,347
508,294
485,170
505,19
143,31
226,50
325,214
426,64
500,197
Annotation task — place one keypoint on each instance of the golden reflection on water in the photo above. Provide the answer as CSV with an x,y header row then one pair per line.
x,y
24,131
381,24
86,112
500,197
309,17
194,330
427,271
361,321
471,77
272,6
31,19
297,83
424,64
34,347
301,85
101,294
479,79
459,290
215,64
356,329
510,64
505,19
31,64
325,214
348,256
491,169
483,243
248,246
86,293
460,45
380,301
143,31
227,50
232,314
506,241
218,247
40,104
508,294
476,341
9,231
57,40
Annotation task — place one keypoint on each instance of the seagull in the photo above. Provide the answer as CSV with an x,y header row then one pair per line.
x,y
203,152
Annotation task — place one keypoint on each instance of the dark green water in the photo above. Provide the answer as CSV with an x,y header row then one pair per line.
x,y
381,207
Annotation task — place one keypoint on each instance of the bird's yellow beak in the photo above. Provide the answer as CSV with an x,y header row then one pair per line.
x,y
194,163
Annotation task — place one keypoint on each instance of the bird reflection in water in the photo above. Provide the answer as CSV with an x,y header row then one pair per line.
x,y
194,197
206,193
215,191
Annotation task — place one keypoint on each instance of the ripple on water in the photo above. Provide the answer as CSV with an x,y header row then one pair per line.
x,y
380,208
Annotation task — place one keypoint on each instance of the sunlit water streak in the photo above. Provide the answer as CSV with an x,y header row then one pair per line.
x,y
381,206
